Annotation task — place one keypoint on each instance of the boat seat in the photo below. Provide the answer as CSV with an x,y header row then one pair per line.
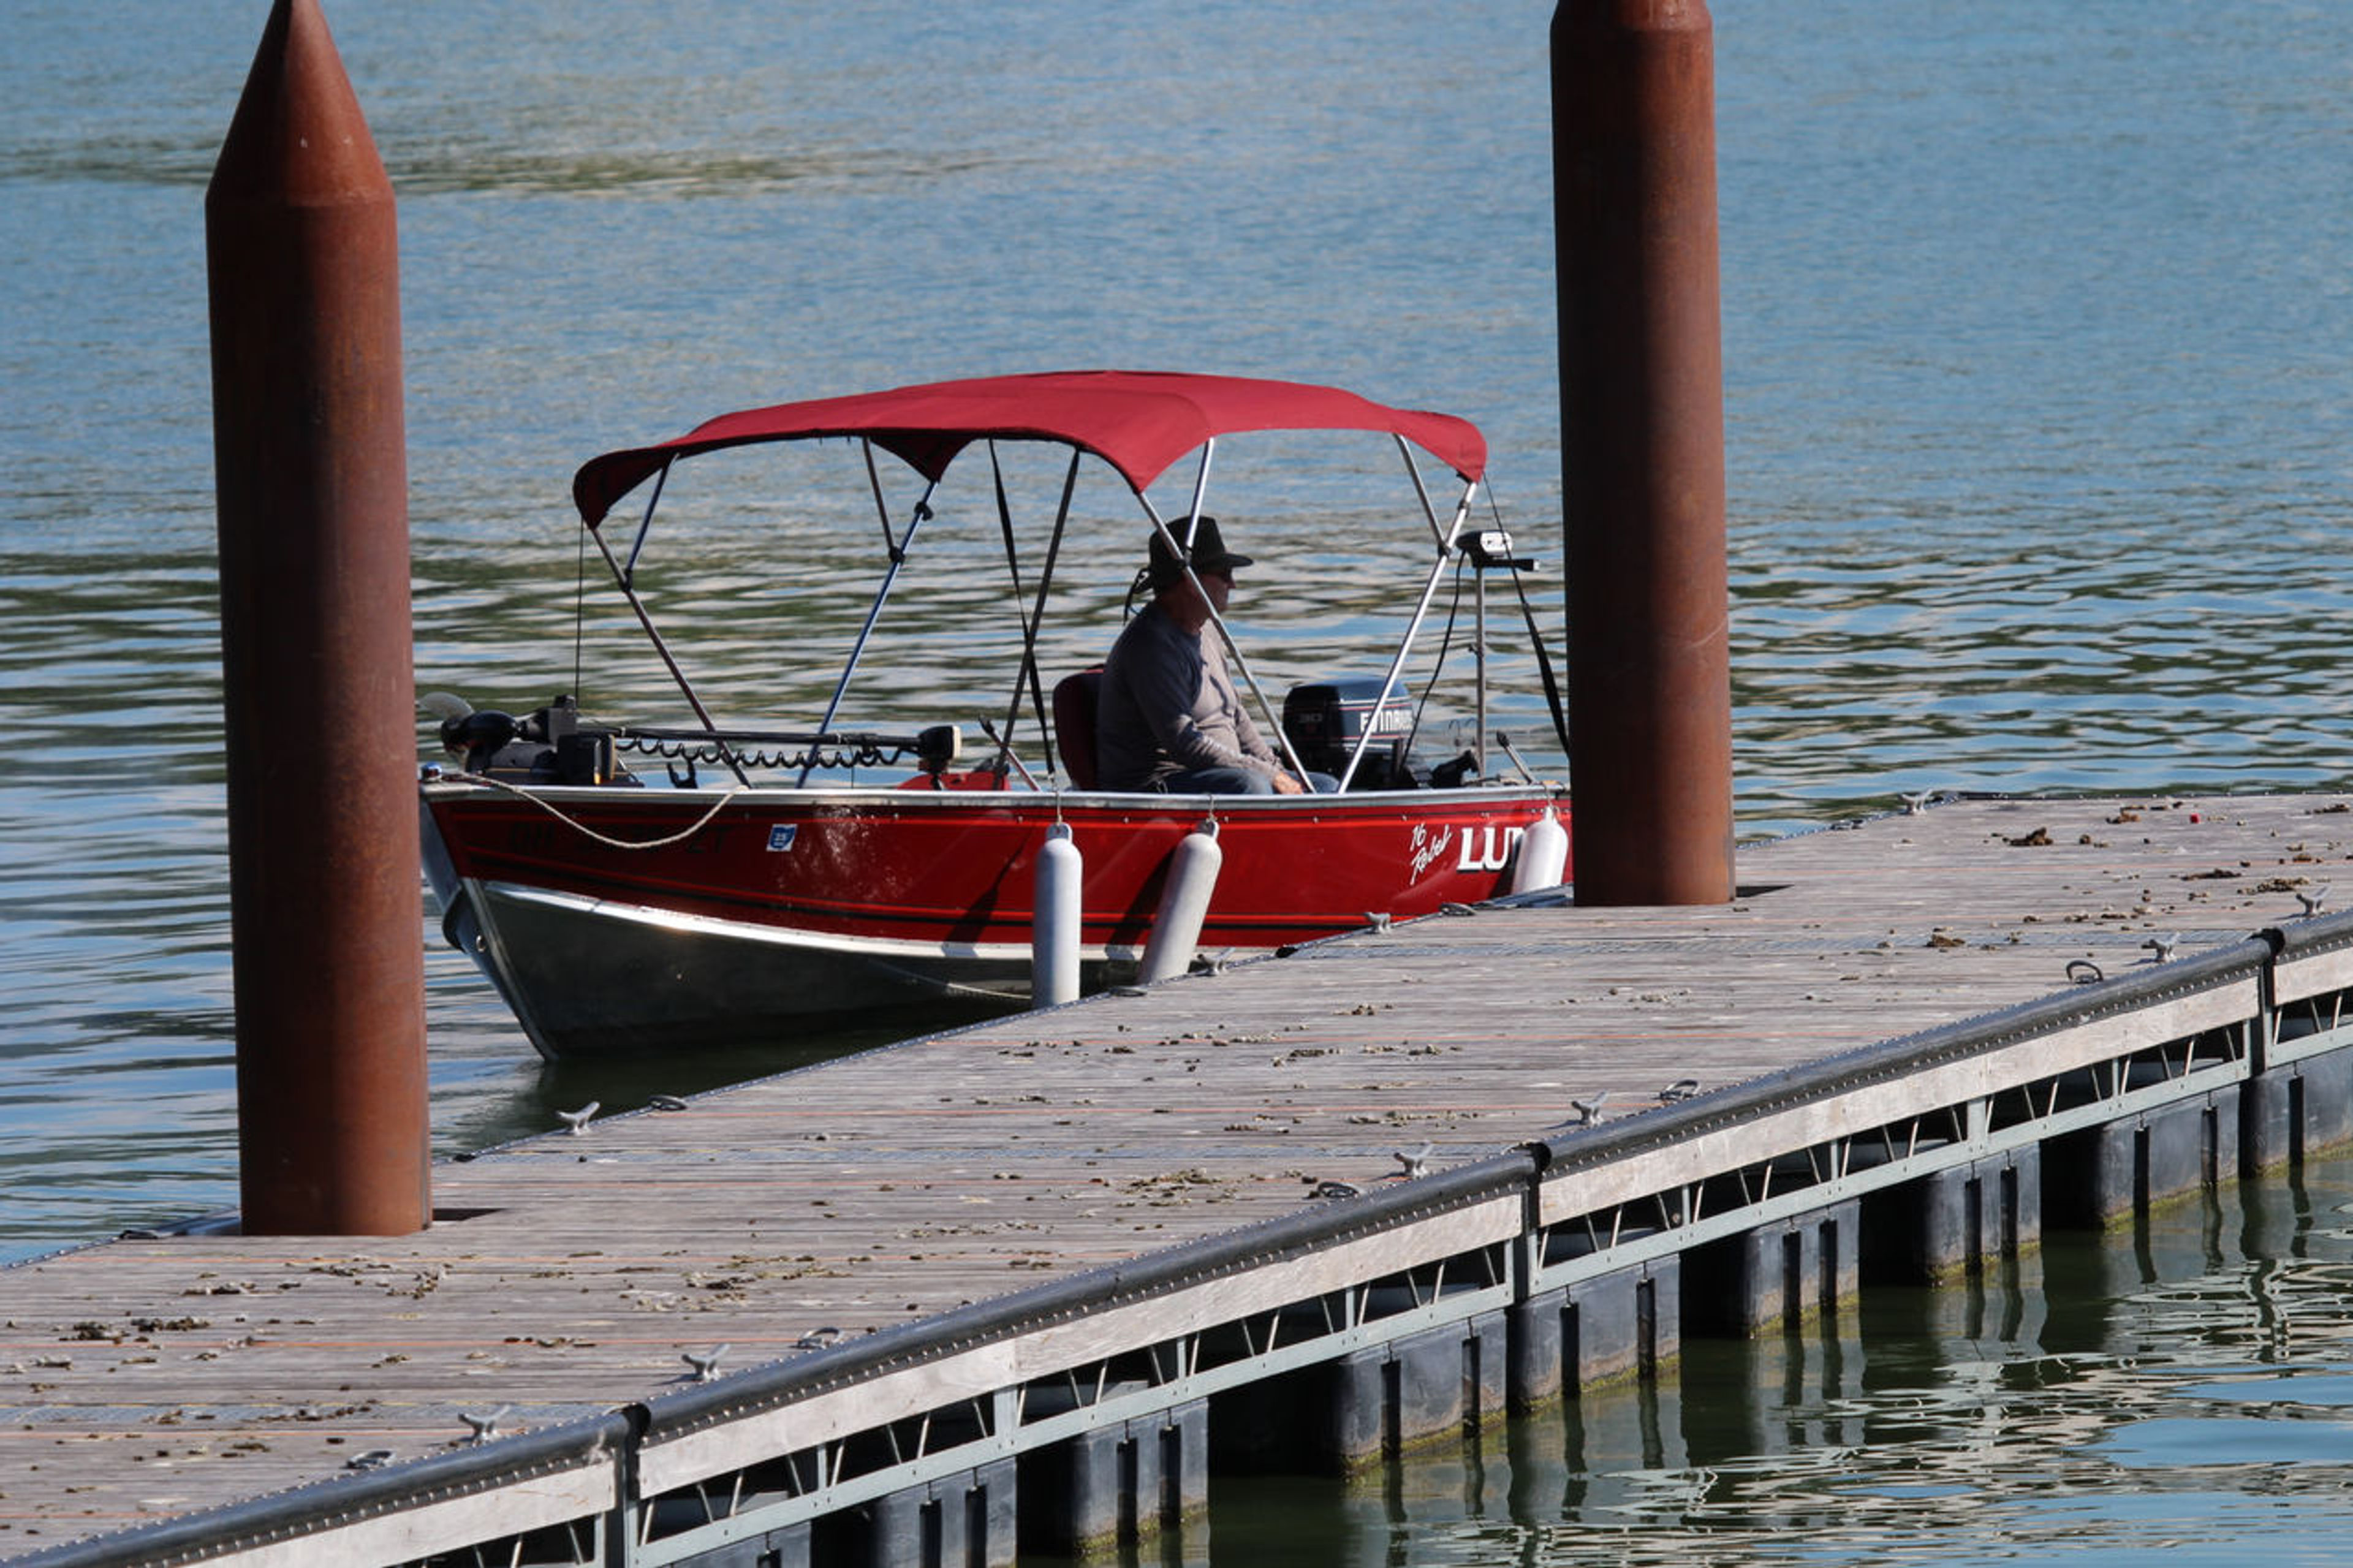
x,y
1075,697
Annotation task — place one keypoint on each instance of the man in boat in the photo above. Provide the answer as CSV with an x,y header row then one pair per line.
x,y
1169,719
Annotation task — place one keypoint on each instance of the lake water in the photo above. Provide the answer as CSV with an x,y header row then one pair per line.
x,y
2178,1392
2039,379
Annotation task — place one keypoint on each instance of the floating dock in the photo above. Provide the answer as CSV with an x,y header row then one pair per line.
x,y
1026,1285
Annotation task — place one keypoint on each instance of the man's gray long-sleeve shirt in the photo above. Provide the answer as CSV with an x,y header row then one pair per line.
x,y
1168,706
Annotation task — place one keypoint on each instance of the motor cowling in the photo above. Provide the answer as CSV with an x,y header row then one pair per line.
x,y
1323,720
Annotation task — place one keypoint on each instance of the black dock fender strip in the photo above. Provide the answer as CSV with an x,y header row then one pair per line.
x,y
2310,937
396,1488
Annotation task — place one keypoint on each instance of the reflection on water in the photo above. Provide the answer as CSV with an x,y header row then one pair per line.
x,y
2177,1388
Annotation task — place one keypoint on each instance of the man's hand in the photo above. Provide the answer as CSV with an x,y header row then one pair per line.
x,y
1285,785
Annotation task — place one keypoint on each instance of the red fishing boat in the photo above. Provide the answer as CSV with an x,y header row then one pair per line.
x,y
826,869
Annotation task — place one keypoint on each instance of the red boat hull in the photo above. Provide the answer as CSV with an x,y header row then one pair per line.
x,y
787,903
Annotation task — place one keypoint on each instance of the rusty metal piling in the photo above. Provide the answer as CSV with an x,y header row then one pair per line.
x,y
309,450
1643,450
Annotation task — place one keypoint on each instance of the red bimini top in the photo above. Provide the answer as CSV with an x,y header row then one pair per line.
x,y
1137,421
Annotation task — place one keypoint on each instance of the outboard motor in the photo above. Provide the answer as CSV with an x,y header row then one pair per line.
x,y
1325,719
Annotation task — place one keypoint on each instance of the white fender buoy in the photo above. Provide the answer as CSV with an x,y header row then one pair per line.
x,y
1543,855
1184,905
1054,920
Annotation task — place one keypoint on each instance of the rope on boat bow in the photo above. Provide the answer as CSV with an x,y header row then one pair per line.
x,y
582,828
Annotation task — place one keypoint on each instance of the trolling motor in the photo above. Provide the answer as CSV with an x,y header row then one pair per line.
x,y
546,746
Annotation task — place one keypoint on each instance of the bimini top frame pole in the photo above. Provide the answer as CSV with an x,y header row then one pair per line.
x,y
625,574
1421,493
1446,547
1025,678
898,548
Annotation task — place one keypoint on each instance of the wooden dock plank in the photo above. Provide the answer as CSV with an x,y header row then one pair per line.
x,y
141,1379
